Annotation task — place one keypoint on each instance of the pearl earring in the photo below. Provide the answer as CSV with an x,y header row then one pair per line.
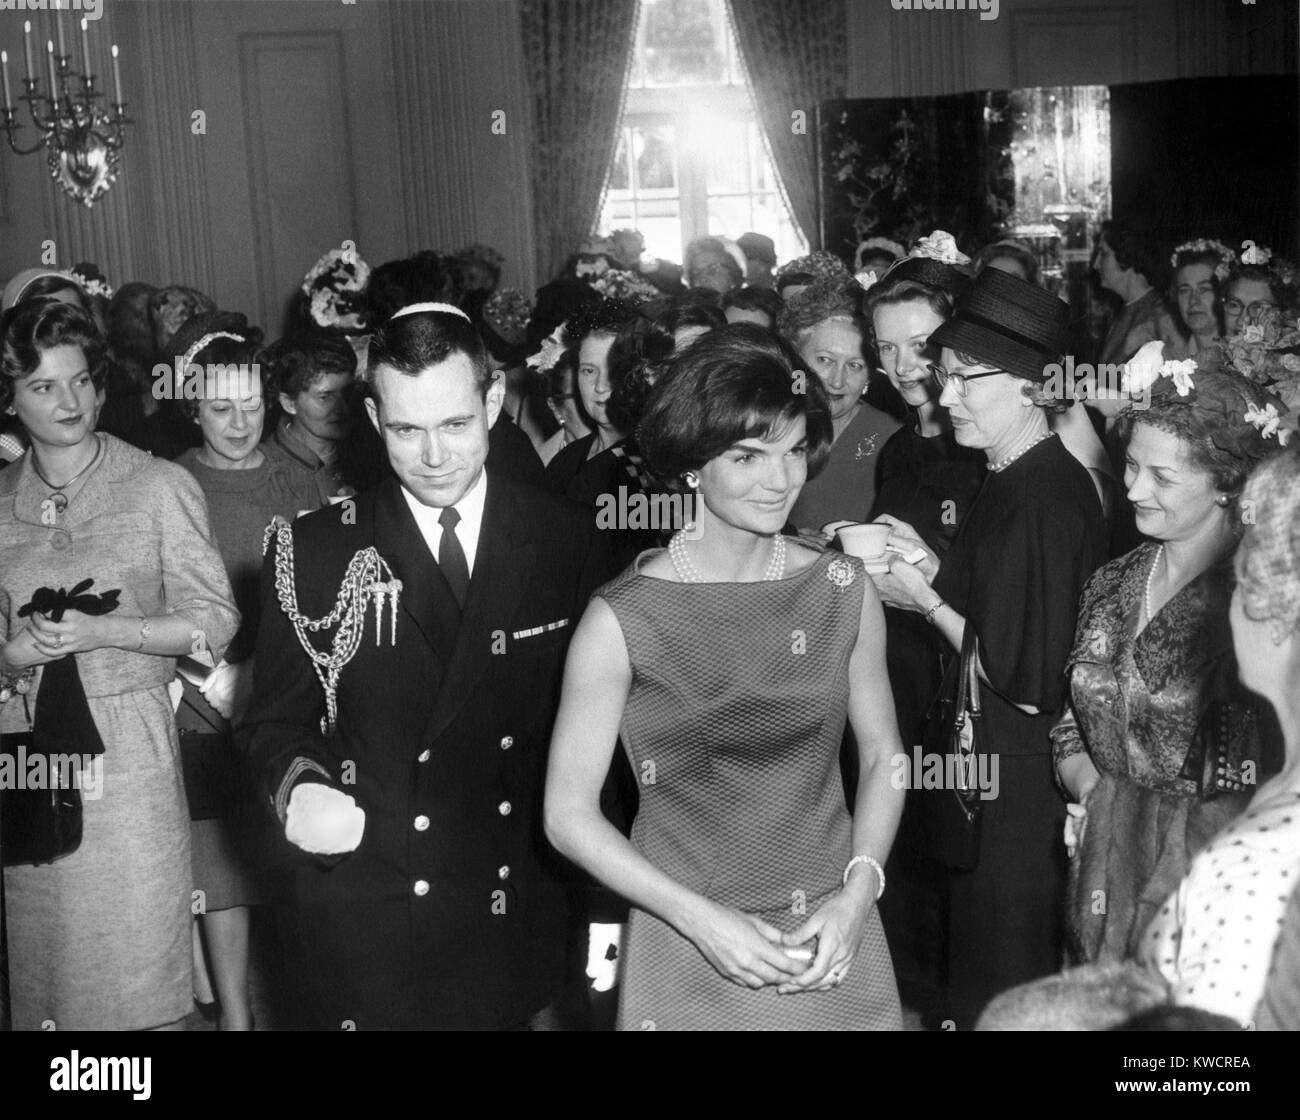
x,y
1222,500
692,479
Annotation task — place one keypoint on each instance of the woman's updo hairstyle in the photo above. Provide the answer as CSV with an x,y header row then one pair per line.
x,y
735,383
32,327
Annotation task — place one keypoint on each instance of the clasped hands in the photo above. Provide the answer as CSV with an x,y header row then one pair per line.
x,y
45,640
749,951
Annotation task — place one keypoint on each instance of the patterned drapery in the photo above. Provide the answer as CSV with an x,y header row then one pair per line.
x,y
577,54
796,54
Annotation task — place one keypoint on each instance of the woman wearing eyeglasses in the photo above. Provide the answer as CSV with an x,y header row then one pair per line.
x,y
1014,572
1253,287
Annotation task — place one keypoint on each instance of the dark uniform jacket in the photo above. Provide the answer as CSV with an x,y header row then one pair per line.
x,y
450,914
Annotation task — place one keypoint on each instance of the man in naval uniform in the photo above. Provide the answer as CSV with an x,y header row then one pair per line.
x,y
420,892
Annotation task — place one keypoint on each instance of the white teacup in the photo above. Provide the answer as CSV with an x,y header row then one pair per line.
x,y
866,542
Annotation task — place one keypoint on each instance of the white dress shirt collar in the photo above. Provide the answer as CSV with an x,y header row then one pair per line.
x,y
470,508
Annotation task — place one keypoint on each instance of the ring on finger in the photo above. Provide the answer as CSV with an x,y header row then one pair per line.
x,y
57,643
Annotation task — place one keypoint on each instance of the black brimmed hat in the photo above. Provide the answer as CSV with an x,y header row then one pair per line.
x,y
1008,323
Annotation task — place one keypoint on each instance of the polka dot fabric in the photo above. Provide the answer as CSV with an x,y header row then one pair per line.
x,y
1214,939
733,727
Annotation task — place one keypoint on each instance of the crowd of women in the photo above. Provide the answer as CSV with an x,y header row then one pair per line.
x,y
1120,566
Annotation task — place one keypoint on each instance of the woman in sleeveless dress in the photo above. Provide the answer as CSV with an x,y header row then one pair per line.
x,y
728,663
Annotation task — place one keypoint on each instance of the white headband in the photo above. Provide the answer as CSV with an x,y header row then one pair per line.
x,y
206,340
418,308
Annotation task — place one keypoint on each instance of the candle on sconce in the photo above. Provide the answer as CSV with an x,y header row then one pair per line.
x,y
58,24
49,58
85,50
27,47
4,69
117,77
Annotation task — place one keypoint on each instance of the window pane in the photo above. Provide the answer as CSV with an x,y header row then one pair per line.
x,y
619,179
663,235
728,159
685,42
652,149
729,216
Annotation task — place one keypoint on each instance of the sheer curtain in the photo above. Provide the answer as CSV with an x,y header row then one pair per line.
x,y
577,54
796,54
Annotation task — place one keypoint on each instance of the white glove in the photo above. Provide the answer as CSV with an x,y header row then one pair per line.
x,y
601,937
228,688
322,820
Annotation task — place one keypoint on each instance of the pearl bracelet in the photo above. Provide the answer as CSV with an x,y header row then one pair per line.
x,y
871,863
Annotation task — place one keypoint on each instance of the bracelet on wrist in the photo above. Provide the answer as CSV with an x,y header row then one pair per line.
x,y
144,633
874,865
929,615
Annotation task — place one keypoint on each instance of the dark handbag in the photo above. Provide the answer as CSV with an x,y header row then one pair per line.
x,y
945,823
36,825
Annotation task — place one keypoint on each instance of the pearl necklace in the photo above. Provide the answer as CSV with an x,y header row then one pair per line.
x,y
1151,575
1002,464
687,572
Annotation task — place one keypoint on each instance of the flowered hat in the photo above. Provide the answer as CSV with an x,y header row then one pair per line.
x,y
819,264
1242,418
506,313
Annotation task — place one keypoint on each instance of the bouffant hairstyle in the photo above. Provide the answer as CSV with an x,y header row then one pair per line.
x,y
412,343
737,382
298,362
33,326
1134,249
1210,423
634,362
766,300
830,298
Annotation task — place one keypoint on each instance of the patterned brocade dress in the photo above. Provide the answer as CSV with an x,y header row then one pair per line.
x,y
733,723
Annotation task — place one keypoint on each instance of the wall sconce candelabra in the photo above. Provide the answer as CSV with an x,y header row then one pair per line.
x,y
80,132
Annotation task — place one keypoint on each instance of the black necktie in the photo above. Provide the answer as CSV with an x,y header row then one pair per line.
x,y
451,557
